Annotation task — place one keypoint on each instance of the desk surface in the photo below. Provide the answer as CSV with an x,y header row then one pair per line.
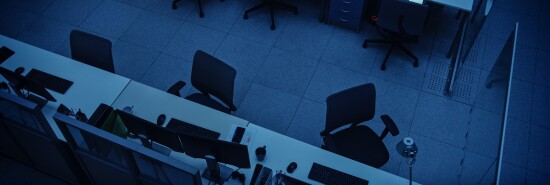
x,y
149,103
282,150
466,5
91,86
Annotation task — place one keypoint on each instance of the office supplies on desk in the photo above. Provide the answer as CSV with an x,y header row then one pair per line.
x,y
238,135
291,167
161,119
262,175
327,175
50,81
5,53
182,127
260,153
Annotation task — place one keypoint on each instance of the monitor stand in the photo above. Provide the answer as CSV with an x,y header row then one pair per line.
x,y
215,172
41,102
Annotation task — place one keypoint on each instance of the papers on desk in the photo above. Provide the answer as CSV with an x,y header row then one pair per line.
x,y
417,1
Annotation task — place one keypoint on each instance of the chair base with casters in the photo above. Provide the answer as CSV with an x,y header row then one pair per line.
x,y
272,5
201,13
393,44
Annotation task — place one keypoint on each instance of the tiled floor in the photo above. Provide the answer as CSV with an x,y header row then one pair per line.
x,y
285,75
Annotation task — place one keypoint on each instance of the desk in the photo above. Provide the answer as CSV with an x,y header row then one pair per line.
x,y
465,5
149,103
91,86
282,150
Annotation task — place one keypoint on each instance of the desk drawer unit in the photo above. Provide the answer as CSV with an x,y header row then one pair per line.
x,y
346,13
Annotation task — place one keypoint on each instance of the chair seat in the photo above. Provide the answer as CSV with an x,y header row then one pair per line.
x,y
359,143
207,101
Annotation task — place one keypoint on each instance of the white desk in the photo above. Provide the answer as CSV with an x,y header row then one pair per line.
x,y
466,5
149,103
282,150
91,86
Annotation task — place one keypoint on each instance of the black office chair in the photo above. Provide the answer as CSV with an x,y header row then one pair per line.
x,y
92,50
211,76
175,89
201,13
272,4
358,142
399,21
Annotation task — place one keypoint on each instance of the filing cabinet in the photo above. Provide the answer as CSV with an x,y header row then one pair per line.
x,y
346,13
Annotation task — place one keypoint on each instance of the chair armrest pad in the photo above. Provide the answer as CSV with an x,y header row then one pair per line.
x,y
390,125
174,89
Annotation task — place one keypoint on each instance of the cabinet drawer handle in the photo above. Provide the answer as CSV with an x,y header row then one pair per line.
x,y
347,2
343,20
344,11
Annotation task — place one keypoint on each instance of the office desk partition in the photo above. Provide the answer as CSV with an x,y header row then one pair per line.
x,y
148,103
282,150
91,86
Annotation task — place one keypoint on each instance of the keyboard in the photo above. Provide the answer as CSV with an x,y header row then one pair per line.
x,y
181,127
331,176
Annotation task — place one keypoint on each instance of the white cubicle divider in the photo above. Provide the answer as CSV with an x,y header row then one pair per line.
x,y
148,103
282,150
91,86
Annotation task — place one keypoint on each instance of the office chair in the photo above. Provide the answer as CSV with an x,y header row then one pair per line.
x,y
272,4
211,76
358,142
201,13
399,21
92,50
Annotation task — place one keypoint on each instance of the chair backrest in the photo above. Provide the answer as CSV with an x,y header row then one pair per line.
x,y
211,76
402,16
353,105
92,50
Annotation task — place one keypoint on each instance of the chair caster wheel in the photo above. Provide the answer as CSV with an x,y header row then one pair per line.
x,y
201,15
365,45
245,17
383,67
174,6
272,27
296,13
415,64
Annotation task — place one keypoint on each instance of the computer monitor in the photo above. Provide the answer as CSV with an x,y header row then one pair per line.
x,y
142,166
19,82
167,138
136,125
150,131
223,151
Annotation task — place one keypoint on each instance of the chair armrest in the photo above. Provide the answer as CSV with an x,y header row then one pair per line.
x,y
175,89
390,127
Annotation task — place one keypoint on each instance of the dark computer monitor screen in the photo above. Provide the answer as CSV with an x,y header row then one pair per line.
x,y
136,125
158,134
166,137
224,151
21,82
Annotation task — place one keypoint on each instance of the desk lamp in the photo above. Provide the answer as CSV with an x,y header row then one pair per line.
x,y
408,149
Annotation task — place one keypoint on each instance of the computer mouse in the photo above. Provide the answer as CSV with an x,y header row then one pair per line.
x,y
19,70
161,119
291,167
